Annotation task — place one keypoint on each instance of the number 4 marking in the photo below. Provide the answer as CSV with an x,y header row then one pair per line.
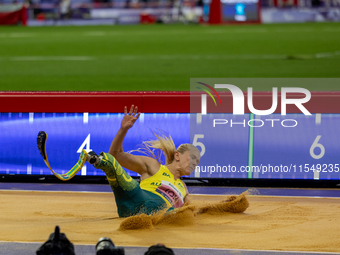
x,y
85,143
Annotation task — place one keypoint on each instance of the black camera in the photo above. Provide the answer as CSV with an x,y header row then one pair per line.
x,y
159,249
105,246
56,244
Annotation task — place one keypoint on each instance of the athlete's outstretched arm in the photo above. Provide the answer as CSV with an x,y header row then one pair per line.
x,y
129,119
138,164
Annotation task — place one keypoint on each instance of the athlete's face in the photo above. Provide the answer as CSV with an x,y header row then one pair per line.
x,y
189,160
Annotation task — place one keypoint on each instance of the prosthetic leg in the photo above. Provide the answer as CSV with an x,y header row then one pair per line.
x,y
41,141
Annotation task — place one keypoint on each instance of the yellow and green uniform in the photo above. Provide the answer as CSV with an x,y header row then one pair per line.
x,y
165,186
155,193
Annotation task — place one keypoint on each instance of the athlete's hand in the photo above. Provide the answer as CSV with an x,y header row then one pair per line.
x,y
129,117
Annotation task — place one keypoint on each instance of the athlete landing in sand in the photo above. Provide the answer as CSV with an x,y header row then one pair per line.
x,y
160,187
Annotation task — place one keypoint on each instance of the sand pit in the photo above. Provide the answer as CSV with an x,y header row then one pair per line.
x,y
270,223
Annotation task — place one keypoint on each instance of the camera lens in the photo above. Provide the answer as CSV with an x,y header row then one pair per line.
x,y
159,249
105,246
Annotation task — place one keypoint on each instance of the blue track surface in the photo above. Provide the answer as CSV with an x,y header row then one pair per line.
x,y
192,189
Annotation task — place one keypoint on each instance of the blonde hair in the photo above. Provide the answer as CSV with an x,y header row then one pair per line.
x,y
162,146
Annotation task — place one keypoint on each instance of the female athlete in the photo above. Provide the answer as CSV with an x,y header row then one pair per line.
x,y
160,187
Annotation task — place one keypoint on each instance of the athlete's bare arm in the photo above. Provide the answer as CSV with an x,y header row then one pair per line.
x,y
187,197
145,166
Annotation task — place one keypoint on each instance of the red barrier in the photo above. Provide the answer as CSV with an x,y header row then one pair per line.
x,y
146,18
16,14
215,12
95,102
151,102
282,3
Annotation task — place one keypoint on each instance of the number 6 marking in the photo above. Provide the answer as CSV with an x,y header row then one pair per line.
x,y
319,145
195,143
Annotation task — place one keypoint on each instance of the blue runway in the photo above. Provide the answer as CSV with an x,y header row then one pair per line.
x,y
199,190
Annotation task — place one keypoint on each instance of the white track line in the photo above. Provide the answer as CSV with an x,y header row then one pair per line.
x,y
173,57
318,118
226,56
20,35
331,29
202,57
17,35
327,54
95,33
52,58
150,57
208,31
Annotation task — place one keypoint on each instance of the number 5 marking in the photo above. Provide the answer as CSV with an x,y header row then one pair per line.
x,y
319,145
195,143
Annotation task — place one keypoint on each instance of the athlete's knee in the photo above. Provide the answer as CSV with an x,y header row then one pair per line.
x,y
106,162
